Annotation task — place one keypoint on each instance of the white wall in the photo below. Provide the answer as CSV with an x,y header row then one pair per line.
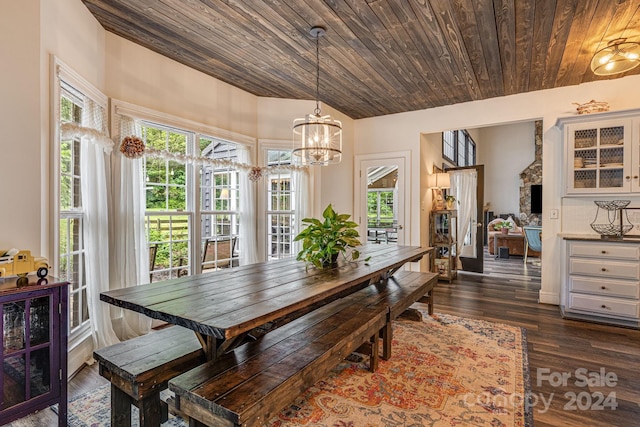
x,y
30,31
505,151
20,160
402,132
142,77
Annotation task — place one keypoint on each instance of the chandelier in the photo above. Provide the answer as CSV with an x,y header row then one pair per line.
x,y
317,139
619,56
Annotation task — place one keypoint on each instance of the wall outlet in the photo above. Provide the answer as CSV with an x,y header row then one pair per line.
x,y
553,214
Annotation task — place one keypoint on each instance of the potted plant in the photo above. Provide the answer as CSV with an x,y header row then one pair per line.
x,y
450,201
323,240
503,226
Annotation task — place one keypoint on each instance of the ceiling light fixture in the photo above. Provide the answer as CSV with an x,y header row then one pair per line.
x,y
619,56
317,139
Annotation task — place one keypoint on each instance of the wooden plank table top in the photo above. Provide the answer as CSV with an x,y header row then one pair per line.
x,y
227,303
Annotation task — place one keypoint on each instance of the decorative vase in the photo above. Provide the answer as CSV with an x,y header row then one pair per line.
x,y
449,204
504,230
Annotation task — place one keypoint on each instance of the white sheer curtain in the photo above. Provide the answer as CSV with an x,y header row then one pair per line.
x,y
463,188
302,200
129,255
248,233
94,166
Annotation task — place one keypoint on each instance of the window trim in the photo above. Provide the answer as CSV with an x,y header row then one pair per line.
x,y
61,72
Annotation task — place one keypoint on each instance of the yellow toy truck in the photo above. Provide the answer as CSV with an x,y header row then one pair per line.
x,y
20,263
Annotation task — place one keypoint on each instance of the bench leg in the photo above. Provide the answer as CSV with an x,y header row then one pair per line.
x,y
387,336
120,407
150,410
373,356
428,299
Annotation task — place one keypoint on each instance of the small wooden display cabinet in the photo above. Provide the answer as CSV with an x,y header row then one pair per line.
x,y
443,235
34,346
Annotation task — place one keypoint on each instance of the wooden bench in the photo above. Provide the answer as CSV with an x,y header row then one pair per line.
x,y
140,368
398,293
255,381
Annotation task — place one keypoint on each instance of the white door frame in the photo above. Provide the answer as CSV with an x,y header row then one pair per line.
x,y
362,162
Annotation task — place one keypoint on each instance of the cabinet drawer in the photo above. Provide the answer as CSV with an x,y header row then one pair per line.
x,y
605,268
618,288
608,251
604,305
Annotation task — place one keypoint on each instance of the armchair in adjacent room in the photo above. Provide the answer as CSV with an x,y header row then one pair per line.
x,y
533,240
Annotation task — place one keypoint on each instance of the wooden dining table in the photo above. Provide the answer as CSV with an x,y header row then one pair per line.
x,y
224,306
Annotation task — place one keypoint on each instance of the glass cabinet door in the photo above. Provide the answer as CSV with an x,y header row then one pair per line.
x,y
26,350
601,158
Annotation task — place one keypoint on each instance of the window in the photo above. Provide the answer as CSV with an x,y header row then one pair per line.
x,y
219,206
458,148
71,248
280,207
449,145
172,187
168,222
380,208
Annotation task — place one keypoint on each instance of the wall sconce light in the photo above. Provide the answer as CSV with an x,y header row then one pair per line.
x,y
619,56
437,182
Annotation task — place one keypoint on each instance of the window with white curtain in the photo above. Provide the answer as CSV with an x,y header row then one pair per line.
x,y
70,260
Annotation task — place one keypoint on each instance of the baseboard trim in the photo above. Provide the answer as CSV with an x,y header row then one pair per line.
x,y
548,298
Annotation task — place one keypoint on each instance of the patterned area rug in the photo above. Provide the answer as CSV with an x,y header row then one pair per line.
x,y
444,371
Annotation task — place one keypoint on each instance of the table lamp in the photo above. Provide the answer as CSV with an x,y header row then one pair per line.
x,y
437,182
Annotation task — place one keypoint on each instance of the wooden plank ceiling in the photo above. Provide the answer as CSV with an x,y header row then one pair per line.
x,y
380,56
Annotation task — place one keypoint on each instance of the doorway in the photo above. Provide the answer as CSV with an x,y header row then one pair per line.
x,y
380,192
467,186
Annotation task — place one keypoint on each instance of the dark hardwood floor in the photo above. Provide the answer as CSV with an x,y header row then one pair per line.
x,y
508,293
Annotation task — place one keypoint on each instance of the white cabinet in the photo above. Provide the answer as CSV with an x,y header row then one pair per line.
x,y
602,282
602,153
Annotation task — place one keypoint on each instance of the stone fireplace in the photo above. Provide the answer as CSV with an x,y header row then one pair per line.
x,y
531,175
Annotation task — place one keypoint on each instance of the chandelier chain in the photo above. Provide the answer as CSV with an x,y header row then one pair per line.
x,y
317,110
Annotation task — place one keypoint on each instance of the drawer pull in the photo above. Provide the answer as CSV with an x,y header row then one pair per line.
x,y
603,287
604,252
604,306
604,269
